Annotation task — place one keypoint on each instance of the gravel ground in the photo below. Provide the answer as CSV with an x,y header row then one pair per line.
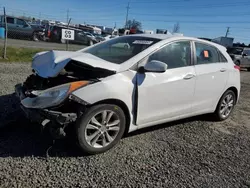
x,y
195,152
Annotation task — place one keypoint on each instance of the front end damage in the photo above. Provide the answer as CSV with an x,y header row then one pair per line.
x,y
49,101
55,117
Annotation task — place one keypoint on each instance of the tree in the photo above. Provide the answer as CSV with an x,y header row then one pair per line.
x,y
133,24
176,28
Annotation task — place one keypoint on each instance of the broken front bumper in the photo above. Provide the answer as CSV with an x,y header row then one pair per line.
x,y
57,120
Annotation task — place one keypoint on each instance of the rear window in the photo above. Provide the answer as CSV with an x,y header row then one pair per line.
x,y
236,51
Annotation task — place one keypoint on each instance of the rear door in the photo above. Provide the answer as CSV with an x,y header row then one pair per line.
x,y
212,73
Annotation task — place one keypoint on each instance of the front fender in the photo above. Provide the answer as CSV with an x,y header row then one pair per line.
x,y
119,86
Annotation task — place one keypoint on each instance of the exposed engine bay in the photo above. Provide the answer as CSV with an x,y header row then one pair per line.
x,y
73,71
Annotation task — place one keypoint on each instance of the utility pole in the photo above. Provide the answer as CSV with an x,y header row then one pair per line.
x,y
6,34
228,28
39,18
67,42
67,15
128,7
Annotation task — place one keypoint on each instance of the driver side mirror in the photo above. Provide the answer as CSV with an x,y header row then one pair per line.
x,y
154,66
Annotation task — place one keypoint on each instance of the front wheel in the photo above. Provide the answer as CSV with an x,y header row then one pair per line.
x,y
100,128
35,37
225,105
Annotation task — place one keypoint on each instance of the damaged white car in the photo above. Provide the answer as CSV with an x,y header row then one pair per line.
x,y
105,91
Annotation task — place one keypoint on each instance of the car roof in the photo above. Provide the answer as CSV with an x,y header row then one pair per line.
x,y
156,36
176,37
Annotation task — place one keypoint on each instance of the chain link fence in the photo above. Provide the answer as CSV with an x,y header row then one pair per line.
x,y
20,32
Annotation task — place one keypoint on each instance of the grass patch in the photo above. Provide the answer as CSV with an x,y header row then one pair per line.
x,y
23,55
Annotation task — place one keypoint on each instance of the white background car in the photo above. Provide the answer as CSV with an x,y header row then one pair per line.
x,y
160,78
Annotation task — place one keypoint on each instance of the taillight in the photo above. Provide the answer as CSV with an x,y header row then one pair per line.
x,y
237,67
48,33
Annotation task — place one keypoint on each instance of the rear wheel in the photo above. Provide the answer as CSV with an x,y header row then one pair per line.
x,y
225,105
91,43
100,128
35,37
63,41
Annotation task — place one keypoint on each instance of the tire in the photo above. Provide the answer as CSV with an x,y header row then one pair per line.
x,y
91,43
88,134
35,37
63,41
219,116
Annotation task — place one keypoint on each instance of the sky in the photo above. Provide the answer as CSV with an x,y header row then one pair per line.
x,y
197,18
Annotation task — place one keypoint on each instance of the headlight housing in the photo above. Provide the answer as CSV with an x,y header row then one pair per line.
x,y
52,96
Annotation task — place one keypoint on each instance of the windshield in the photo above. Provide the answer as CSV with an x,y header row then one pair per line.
x,y
121,49
236,51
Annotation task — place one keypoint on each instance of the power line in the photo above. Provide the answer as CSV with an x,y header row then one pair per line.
x,y
193,15
202,22
209,6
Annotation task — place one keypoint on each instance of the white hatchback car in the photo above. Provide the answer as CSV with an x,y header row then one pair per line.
x,y
104,91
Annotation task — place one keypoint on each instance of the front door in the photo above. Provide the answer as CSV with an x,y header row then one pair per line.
x,y
169,94
211,77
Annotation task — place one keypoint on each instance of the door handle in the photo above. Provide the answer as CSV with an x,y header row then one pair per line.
x,y
188,76
223,70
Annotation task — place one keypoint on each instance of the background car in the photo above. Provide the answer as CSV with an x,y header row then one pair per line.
x,y
81,37
240,56
19,28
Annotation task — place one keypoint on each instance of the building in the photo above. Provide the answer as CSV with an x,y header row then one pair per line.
x,y
224,41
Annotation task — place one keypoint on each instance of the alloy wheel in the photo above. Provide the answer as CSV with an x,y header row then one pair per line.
x,y
102,129
227,105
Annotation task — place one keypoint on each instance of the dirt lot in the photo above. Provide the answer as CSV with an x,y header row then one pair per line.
x,y
195,152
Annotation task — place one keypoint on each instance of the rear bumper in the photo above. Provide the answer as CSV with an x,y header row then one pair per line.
x,y
44,117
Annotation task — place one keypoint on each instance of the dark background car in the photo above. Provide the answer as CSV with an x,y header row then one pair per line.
x,y
81,37
20,28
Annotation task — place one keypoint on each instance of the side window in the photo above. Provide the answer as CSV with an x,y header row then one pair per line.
x,y
206,54
10,20
222,58
20,22
175,55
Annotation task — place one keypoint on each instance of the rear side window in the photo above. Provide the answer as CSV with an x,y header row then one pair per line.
x,y
206,54
222,58
10,20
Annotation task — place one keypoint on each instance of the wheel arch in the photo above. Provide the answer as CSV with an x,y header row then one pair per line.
x,y
235,90
122,105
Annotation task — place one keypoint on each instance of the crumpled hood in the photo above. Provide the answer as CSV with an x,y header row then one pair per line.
x,y
50,63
